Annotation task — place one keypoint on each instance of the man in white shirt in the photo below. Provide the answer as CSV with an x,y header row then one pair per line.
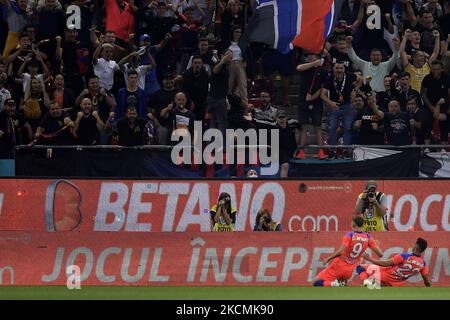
x,y
374,69
104,67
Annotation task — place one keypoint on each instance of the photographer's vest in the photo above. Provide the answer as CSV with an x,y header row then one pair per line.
x,y
373,220
222,226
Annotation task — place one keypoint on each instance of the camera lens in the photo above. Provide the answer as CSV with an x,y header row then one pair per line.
x,y
371,194
302,188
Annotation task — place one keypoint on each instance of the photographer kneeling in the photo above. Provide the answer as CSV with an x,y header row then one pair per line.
x,y
372,205
264,222
223,216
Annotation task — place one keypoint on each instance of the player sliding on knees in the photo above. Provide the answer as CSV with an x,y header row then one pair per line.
x,y
395,271
348,256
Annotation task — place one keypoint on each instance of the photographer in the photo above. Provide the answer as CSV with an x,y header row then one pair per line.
x,y
372,205
264,222
223,216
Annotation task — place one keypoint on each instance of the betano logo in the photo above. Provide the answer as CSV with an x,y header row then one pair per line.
x,y
235,143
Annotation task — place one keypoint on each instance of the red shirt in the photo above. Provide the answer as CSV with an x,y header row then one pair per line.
x,y
407,265
356,243
122,23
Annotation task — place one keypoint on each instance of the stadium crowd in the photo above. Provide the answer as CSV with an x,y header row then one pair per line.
x,y
130,73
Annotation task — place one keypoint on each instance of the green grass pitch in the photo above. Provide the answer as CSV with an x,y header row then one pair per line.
x,y
223,293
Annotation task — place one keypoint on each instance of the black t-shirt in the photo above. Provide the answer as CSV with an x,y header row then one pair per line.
x,y
75,57
131,99
427,38
161,100
367,134
99,104
397,128
12,130
426,124
437,88
287,143
219,83
341,88
306,78
181,120
196,85
51,24
87,130
336,56
132,136
52,126
444,24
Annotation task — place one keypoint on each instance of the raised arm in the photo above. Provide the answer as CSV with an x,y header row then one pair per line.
x,y
381,263
437,44
410,12
335,254
390,26
395,55
352,54
7,5
41,61
127,58
166,111
360,17
309,65
403,56
96,54
373,106
59,50
94,39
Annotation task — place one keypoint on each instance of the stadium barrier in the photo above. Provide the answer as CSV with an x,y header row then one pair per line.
x,y
183,205
192,259
155,161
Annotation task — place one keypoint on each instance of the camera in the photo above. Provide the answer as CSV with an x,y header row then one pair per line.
x,y
266,219
371,194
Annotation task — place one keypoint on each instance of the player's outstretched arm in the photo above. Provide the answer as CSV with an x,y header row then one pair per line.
x,y
378,251
335,254
426,280
381,263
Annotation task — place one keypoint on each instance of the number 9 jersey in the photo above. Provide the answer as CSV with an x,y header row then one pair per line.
x,y
356,243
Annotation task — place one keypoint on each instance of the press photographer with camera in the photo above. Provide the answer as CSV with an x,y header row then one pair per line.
x,y
264,222
372,205
223,216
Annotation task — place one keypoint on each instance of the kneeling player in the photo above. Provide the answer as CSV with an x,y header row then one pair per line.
x,y
349,255
395,271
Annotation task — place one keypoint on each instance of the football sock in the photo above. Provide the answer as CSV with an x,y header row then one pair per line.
x,y
319,283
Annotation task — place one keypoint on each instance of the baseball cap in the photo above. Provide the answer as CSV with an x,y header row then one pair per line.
x,y
168,75
281,113
144,37
371,184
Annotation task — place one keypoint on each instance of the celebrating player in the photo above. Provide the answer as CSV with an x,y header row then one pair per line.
x,y
395,271
349,254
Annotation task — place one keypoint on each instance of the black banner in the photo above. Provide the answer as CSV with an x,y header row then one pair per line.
x,y
400,165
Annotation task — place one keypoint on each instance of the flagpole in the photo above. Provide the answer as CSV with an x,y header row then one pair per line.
x,y
316,70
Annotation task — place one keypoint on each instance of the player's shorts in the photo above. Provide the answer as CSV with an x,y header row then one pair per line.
x,y
386,278
313,111
388,281
337,270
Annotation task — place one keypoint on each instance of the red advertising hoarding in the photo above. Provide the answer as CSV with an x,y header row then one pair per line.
x,y
169,205
188,258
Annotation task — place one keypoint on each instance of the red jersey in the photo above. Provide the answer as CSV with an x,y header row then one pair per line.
x,y
406,265
356,243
